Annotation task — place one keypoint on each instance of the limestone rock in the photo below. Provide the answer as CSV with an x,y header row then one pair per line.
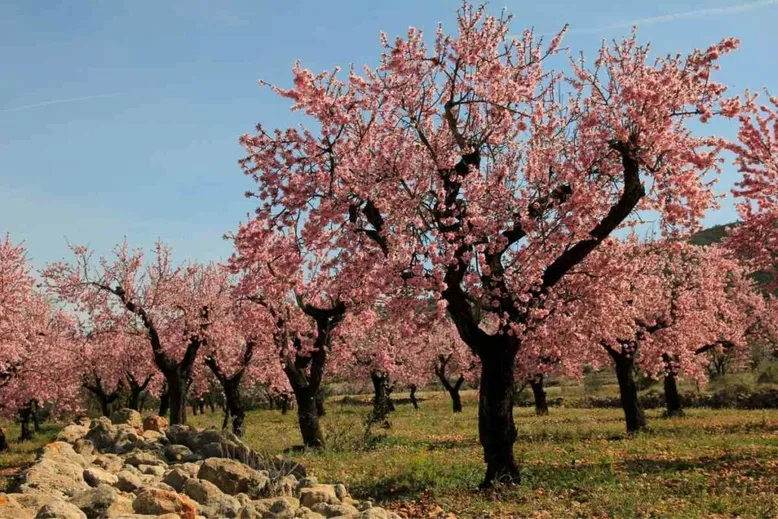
x,y
330,510
155,423
10,507
232,477
129,417
102,434
95,476
138,458
152,470
177,478
312,495
60,478
60,510
176,453
72,433
102,501
127,481
60,451
154,501
110,462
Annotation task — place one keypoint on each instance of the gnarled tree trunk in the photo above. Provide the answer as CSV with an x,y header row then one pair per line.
x,y
3,441
320,410
136,390
412,396
25,415
104,398
496,429
164,401
233,404
381,398
453,389
672,398
541,404
628,389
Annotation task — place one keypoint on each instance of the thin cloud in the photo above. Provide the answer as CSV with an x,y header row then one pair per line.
x,y
59,102
672,17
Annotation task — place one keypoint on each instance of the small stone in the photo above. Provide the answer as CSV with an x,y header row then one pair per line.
x,y
102,435
62,451
110,462
152,470
330,510
177,478
340,491
60,510
95,476
138,458
177,452
233,477
101,502
153,435
72,433
127,481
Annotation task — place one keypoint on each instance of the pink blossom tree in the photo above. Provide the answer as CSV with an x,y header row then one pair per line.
x,y
473,175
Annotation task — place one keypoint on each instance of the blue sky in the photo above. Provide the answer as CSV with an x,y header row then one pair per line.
x,y
122,118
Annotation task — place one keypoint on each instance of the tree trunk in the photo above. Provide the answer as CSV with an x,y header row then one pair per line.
x,y
25,414
201,404
496,429
413,397
308,417
633,411
453,390
35,419
134,401
235,405
381,402
541,405
284,404
3,441
177,389
226,417
194,408
164,401
320,411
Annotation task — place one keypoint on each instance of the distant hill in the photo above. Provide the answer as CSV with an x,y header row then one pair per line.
x,y
710,235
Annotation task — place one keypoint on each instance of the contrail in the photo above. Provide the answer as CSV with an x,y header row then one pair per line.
x,y
58,102
697,13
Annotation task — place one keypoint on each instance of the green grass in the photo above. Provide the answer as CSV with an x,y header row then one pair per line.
x,y
575,462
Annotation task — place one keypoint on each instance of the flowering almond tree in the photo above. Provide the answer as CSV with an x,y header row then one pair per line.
x,y
479,178
169,305
757,160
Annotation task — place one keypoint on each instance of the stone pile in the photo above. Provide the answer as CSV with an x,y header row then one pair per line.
x,y
130,467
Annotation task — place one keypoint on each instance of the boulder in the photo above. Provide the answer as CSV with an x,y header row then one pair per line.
x,y
155,423
85,448
138,458
110,462
127,481
277,506
60,451
175,453
177,478
314,494
95,476
102,434
151,436
102,501
181,434
377,513
129,417
233,477
59,478
154,501
152,470
214,502
72,433
60,510
35,500
307,513
330,510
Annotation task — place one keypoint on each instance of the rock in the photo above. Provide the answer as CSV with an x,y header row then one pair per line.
x,y
35,500
340,491
129,417
83,420
153,435
204,438
312,495
190,468
233,477
306,482
72,433
281,506
181,435
307,513
177,478
155,423
102,434
329,510
10,507
101,502
285,486
100,420
152,470
59,478
127,481
138,458
60,510
85,448
177,452
95,476
215,503
154,501
213,450
110,462
62,451
377,513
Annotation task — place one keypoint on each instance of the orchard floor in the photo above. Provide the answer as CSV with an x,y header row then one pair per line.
x,y
575,462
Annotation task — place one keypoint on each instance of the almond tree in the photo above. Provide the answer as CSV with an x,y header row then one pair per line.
x,y
468,172
167,304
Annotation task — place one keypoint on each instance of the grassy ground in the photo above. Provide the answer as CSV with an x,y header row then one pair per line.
x,y
575,462
20,454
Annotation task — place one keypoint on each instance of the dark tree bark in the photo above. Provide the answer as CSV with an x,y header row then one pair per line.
x,y
164,401
136,390
25,415
672,398
320,410
104,398
177,388
194,408
35,408
453,389
284,404
541,404
381,399
412,396
231,386
3,441
496,429
628,389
